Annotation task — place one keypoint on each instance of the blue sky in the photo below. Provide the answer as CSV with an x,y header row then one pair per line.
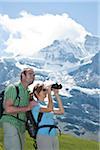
x,y
26,26
85,13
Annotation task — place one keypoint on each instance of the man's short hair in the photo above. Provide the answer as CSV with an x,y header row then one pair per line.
x,y
24,71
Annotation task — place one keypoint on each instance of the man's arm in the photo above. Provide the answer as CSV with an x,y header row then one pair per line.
x,y
9,100
11,109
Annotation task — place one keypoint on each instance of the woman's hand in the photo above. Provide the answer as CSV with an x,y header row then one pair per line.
x,y
56,91
49,89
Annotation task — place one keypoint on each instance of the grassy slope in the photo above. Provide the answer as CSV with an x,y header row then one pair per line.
x,y
67,142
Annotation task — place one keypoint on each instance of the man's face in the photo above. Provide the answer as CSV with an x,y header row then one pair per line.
x,y
30,76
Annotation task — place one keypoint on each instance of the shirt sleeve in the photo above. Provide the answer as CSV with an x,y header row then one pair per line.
x,y
10,93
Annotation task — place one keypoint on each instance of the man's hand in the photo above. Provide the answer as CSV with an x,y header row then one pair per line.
x,y
32,104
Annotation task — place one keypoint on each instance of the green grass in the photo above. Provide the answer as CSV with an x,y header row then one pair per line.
x,y
67,142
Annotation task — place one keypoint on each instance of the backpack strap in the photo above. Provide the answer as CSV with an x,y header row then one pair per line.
x,y
17,96
30,118
37,128
51,127
40,115
17,92
45,126
1,103
2,98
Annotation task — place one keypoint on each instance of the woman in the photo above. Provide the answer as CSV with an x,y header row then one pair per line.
x,y
46,140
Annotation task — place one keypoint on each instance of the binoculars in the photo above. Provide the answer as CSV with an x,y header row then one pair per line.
x,y
56,86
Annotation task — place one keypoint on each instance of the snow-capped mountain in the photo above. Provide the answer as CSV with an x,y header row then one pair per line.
x,y
76,67
88,75
67,50
8,70
68,55
59,51
82,114
92,44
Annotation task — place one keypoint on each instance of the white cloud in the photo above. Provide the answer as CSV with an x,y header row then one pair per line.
x,y
29,33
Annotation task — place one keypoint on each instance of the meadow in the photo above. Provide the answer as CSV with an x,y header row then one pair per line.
x,y
67,142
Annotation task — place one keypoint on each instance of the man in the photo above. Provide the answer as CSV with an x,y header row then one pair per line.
x,y
14,128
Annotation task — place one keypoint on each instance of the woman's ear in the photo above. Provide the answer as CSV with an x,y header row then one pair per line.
x,y
23,75
35,94
31,96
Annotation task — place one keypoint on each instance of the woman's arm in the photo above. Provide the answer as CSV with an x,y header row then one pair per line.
x,y
60,110
49,107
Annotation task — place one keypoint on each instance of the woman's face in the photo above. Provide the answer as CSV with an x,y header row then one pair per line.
x,y
40,92
43,93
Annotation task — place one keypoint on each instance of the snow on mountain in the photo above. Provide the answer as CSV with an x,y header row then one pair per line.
x,y
92,44
88,75
59,51
8,70
67,50
81,113
68,55
76,67
88,91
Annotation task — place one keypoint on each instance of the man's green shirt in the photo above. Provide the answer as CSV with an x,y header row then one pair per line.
x,y
11,93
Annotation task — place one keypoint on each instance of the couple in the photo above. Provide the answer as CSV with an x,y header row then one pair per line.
x,y
14,129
